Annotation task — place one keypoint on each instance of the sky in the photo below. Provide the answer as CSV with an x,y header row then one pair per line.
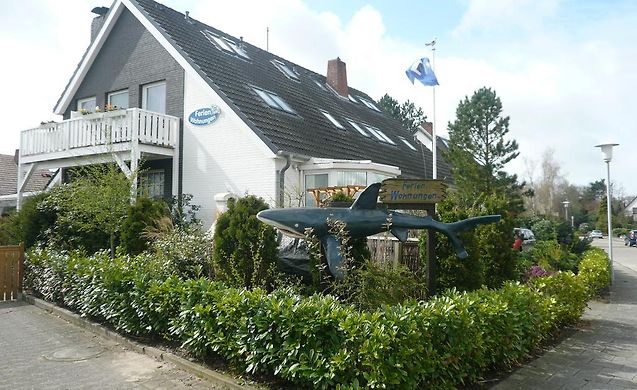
x,y
564,70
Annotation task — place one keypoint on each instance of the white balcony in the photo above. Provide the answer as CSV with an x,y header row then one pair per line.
x,y
99,133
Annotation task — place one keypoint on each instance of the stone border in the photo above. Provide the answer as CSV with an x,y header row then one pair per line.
x,y
218,378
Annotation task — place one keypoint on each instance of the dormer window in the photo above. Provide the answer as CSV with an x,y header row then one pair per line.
x,y
368,103
382,137
225,44
273,100
332,119
285,70
412,147
358,128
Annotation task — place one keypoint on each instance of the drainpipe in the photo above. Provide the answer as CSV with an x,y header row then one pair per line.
x,y
288,161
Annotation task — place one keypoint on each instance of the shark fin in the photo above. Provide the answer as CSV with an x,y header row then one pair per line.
x,y
368,198
400,233
333,254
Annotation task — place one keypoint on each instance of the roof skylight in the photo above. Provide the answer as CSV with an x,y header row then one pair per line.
x,y
358,128
382,137
412,147
332,119
285,70
225,44
320,85
368,103
273,100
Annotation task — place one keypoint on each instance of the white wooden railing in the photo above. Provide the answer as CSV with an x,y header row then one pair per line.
x,y
114,127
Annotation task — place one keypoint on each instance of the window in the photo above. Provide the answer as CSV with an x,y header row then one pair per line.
x,y
358,128
368,103
314,181
226,44
87,104
407,143
151,183
351,178
333,120
285,70
118,99
154,97
320,85
273,100
380,135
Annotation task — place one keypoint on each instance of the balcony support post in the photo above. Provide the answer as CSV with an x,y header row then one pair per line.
x,y
134,167
23,178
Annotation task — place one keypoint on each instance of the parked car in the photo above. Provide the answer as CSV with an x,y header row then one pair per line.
x,y
596,234
631,238
527,236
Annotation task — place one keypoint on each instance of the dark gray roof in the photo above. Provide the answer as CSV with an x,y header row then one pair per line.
x,y
308,133
9,177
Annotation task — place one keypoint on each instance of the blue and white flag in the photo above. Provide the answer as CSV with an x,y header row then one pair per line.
x,y
421,71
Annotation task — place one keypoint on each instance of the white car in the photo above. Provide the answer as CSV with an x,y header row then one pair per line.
x,y
596,234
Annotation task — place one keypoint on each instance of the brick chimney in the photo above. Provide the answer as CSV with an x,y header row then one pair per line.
x,y
337,76
98,21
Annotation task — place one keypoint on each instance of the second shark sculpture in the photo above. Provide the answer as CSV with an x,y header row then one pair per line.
x,y
363,219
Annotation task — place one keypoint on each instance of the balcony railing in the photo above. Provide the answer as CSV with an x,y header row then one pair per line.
x,y
108,128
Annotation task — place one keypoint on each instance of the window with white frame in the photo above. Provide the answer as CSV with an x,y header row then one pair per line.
x,y
225,44
351,178
358,128
332,119
315,181
118,99
382,137
412,147
151,183
154,97
368,103
286,70
273,100
87,104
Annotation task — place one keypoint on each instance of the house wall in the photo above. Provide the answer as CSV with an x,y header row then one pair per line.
x,y
224,156
130,58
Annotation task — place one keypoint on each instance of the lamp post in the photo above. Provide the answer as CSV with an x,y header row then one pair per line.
x,y
607,153
566,203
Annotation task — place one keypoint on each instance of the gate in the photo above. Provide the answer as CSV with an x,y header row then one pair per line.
x,y
11,271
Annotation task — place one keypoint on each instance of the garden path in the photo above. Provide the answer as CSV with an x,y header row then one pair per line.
x,y
602,352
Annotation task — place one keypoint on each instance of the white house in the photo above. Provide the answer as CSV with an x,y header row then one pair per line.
x,y
205,113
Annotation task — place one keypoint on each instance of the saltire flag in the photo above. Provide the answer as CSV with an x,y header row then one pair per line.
x,y
421,71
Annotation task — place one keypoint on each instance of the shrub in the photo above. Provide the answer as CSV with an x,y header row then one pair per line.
x,y
595,270
187,253
544,230
552,257
245,250
139,217
31,224
318,342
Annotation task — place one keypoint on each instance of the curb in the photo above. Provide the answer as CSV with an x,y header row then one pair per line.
x,y
218,378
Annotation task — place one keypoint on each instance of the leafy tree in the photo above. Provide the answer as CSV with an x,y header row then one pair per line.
x,y
478,150
30,224
245,250
602,216
407,113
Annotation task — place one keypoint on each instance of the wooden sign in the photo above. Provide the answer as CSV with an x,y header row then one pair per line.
x,y
412,191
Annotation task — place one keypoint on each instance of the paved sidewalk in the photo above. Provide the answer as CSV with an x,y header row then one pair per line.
x,y
41,351
602,354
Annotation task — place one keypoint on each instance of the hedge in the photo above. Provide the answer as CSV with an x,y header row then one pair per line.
x,y
316,341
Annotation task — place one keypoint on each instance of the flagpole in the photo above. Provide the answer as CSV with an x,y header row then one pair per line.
x,y
434,139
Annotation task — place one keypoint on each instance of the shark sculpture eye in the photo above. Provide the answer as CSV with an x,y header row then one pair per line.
x,y
296,225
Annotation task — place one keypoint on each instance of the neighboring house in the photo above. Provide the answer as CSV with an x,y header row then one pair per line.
x,y
630,210
8,182
207,114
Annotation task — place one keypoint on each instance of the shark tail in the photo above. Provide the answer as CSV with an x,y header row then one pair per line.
x,y
451,230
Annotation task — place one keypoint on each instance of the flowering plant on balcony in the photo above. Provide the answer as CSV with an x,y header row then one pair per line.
x,y
107,108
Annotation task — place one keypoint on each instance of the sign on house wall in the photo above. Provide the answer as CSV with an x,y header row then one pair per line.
x,y
412,191
204,116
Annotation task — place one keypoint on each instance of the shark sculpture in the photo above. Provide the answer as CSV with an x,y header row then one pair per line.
x,y
363,219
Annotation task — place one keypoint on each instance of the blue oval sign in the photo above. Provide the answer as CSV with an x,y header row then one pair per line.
x,y
204,116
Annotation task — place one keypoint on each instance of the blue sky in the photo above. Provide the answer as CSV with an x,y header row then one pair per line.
x,y
564,69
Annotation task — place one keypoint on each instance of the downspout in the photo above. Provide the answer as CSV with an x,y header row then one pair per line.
x,y
288,162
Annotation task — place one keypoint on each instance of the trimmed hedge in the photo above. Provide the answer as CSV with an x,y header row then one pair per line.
x,y
317,341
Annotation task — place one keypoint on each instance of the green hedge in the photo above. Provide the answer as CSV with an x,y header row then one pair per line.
x,y
317,341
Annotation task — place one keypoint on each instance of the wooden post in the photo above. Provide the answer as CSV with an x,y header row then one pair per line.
x,y
431,255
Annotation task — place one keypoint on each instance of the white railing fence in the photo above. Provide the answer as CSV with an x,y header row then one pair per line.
x,y
101,129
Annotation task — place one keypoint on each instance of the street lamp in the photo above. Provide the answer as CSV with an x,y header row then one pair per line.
x,y
607,153
566,203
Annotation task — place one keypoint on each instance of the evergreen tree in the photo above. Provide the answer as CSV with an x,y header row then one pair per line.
x,y
407,113
478,150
